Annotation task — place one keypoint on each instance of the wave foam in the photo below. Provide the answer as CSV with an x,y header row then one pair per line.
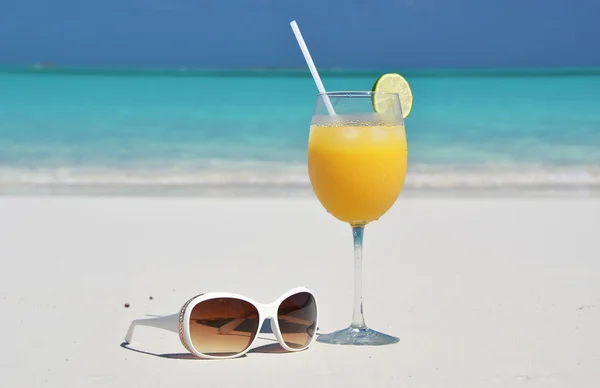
x,y
291,177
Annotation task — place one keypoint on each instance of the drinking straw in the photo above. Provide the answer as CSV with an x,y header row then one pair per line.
x,y
312,67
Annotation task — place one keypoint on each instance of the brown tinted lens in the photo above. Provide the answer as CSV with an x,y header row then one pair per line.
x,y
223,326
297,317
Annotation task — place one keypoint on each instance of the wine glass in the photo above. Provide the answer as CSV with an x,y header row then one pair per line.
x,y
357,161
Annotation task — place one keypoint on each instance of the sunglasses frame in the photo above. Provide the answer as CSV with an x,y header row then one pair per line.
x,y
180,322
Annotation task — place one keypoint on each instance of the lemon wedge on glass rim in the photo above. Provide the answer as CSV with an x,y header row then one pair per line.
x,y
392,83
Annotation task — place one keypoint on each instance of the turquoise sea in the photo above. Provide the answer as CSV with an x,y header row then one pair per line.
x,y
245,131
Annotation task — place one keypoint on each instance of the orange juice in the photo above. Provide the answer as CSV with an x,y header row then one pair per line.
x,y
357,170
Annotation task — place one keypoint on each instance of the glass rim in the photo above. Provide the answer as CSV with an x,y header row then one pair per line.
x,y
355,93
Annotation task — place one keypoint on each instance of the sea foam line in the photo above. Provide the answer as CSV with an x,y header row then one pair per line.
x,y
431,177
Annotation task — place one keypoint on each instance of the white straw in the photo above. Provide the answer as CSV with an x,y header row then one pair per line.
x,y
312,67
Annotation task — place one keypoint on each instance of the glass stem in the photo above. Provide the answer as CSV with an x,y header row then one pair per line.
x,y
358,320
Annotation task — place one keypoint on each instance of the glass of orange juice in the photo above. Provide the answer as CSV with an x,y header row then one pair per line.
x,y
357,160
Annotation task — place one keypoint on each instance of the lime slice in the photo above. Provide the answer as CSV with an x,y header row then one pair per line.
x,y
392,83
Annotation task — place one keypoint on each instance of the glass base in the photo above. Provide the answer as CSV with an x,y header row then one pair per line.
x,y
357,336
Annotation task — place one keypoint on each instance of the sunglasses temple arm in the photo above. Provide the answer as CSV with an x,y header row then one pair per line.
x,y
230,326
168,322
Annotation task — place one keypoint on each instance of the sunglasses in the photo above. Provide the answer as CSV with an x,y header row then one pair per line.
x,y
225,325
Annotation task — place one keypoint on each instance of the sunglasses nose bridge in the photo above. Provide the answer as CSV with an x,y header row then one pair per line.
x,y
268,311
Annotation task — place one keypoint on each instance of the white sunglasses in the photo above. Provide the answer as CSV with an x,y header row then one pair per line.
x,y
225,325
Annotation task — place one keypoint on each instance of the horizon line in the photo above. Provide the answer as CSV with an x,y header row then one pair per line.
x,y
48,68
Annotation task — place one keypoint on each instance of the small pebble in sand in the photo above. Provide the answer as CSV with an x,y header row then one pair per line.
x,y
126,305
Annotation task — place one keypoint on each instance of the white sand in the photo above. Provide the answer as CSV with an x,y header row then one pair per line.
x,y
482,293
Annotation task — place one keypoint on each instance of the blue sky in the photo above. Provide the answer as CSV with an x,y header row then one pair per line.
x,y
340,33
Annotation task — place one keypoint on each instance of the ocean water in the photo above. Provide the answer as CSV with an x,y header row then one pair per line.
x,y
243,132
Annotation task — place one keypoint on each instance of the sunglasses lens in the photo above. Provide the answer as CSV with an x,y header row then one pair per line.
x,y
223,326
297,318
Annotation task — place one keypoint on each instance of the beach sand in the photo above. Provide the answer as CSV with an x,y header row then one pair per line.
x,y
482,292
